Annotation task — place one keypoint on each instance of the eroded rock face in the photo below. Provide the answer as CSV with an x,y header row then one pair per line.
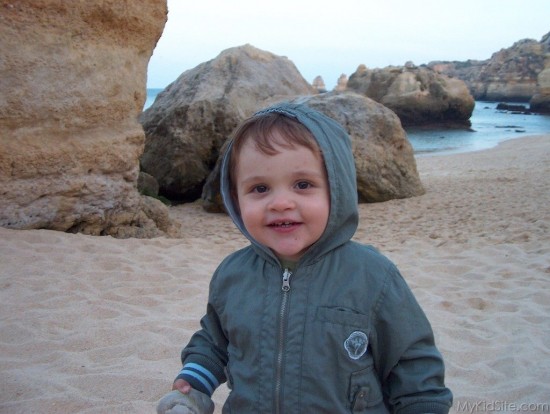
x,y
384,158
418,95
190,120
541,100
510,75
72,76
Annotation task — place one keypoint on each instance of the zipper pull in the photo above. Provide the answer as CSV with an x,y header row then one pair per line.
x,y
286,280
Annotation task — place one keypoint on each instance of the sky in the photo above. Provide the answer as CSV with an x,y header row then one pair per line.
x,y
330,38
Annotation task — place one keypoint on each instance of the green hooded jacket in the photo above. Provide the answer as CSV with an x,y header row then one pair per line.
x,y
342,333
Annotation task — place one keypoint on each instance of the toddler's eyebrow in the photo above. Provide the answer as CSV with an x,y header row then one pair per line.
x,y
252,179
305,173
308,173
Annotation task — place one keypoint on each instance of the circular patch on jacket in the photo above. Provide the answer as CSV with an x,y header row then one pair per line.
x,y
356,344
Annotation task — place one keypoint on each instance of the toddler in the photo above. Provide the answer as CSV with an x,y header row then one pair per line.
x,y
304,320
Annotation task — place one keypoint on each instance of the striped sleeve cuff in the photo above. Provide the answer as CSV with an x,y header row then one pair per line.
x,y
199,377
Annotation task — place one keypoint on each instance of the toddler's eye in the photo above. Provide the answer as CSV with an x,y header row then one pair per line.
x,y
260,189
303,185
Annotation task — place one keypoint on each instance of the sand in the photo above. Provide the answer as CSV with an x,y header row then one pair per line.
x,y
96,324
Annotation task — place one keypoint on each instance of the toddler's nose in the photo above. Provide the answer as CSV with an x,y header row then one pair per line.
x,y
281,200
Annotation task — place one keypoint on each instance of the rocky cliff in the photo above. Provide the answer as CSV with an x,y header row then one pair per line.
x,y
510,74
72,76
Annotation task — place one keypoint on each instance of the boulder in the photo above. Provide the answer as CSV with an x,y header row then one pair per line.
x,y
513,108
418,95
384,158
73,80
190,119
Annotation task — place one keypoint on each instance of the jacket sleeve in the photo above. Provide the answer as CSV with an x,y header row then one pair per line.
x,y
205,356
411,368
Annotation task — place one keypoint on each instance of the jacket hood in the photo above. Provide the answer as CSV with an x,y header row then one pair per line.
x,y
335,145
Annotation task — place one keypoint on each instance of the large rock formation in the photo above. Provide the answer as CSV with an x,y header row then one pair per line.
x,y
72,76
509,75
384,158
190,120
418,95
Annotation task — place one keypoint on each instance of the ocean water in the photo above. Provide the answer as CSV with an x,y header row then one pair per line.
x,y
151,95
489,127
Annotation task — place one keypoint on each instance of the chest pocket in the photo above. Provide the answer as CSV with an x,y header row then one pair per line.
x,y
350,331
342,316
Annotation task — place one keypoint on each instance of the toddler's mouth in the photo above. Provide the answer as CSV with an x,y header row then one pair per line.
x,y
283,224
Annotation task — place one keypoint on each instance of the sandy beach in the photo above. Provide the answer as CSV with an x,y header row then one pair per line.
x,y
96,324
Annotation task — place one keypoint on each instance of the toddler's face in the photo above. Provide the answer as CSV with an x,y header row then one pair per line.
x,y
283,198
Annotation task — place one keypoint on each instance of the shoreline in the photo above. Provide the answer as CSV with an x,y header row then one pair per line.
x,y
447,152
489,126
96,324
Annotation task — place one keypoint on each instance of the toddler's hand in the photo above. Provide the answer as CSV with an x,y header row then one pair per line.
x,y
192,402
182,386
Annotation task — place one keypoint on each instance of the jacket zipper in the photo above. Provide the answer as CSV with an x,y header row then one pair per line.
x,y
283,315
